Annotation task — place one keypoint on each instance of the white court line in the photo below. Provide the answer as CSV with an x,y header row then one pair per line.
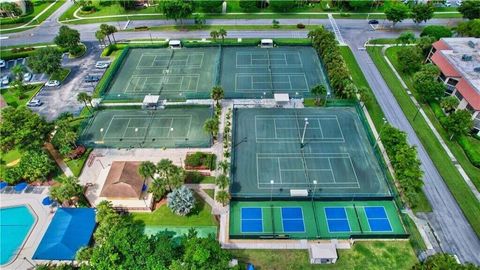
x,y
125,131
302,219
265,75
346,218
331,169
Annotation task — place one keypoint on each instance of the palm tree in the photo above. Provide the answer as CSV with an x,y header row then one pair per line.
x,y
111,30
318,91
214,34
17,72
223,197
104,28
147,169
211,126
217,93
224,165
223,33
84,97
170,174
100,35
222,181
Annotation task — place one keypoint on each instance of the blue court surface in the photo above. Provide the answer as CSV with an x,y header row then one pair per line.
x,y
377,219
292,220
252,220
337,219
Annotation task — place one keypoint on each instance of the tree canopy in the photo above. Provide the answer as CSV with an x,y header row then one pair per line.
x,y
422,12
396,13
177,9
21,128
409,59
427,85
35,165
436,31
470,9
45,60
442,261
68,188
282,5
459,123
69,39
469,29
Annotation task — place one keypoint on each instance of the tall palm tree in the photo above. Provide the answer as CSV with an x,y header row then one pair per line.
x,y
222,181
223,197
223,33
85,98
100,35
224,165
147,169
111,30
211,126
106,31
217,93
214,34
318,91
17,72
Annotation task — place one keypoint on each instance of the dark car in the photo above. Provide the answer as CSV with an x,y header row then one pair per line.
x,y
91,79
373,22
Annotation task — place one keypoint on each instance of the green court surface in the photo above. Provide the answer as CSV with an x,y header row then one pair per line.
x,y
317,219
137,128
254,72
337,158
172,74
202,231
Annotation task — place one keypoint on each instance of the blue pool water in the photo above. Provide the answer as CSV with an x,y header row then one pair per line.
x,y
15,223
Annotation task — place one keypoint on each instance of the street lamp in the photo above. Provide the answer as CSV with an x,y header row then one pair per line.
x,y
271,190
303,135
380,133
314,188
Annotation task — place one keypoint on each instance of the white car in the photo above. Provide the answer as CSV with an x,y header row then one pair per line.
x,y
34,103
2,63
102,64
27,77
5,80
52,83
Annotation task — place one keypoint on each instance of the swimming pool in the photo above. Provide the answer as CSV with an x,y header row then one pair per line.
x,y
15,223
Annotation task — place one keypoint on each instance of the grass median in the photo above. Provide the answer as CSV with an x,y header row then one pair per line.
x,y
459,189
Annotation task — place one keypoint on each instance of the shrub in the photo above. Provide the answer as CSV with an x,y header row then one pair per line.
x,y
193,177
181,201
300,25
88,9
471,149
200,159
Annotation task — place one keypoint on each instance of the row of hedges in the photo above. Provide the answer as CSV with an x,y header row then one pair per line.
x,y
200,160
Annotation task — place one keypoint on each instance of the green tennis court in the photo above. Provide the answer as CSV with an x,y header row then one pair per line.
x,y
310,220
137,128
336,158
253,72
172,74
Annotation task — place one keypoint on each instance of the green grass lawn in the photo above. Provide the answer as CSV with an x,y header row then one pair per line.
x,y
60,75
200,216
226,27
472,171
465,198
13,99
76,165
210,192
6,158
363,255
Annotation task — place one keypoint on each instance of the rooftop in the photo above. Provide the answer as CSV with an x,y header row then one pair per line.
x,y
464,56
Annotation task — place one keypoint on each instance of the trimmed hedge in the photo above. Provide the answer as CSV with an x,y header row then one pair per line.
x,y
201,160
471,147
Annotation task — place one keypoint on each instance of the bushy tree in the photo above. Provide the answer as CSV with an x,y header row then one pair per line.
x,y
35,165
248,5
177,9
22,129
20,88
223,197
68,188
12,175
222,181
441,261
409,59
209,6
65,137
449,103
181,201
469,29
427,85
202,253
45,60
11,9
147,169
69,39
436,31
406,37
396,13
470,9
17,72
282,5
211,126
422,12
459,123
86,99
425,44
169,177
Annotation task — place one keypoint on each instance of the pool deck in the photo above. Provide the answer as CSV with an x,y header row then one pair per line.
x,y
43,217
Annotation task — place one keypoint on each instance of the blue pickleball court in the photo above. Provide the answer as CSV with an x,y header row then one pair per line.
x,y
252,220
378,219
337,219
292,220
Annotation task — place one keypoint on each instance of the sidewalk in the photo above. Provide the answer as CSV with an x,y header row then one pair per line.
x,y
58,159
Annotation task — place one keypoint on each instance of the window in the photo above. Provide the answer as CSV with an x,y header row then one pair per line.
x,y
470,108
442,77
452,81
458,95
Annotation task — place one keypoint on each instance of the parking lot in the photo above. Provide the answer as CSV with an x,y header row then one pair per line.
x,y
36,77
63,98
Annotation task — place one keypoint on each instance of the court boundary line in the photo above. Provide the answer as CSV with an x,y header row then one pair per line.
x,y
346,218
241,218
302,219
258,53
251,75
169,61
161,84
368,219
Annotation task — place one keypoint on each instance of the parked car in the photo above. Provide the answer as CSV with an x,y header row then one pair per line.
x,y
34,103
102,64
52,83
5,80
3,63
27,76
373,22
91,79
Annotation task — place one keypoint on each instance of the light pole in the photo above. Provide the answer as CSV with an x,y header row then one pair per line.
x,y
271,190
380,133
303,135
314,188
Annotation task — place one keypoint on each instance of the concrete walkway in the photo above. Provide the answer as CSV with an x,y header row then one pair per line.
x,y
58,159
432,127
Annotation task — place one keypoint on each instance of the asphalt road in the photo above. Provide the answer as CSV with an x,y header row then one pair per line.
x,y
452,229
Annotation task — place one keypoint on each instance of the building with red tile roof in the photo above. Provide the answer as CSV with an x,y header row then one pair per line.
x,y
459,62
